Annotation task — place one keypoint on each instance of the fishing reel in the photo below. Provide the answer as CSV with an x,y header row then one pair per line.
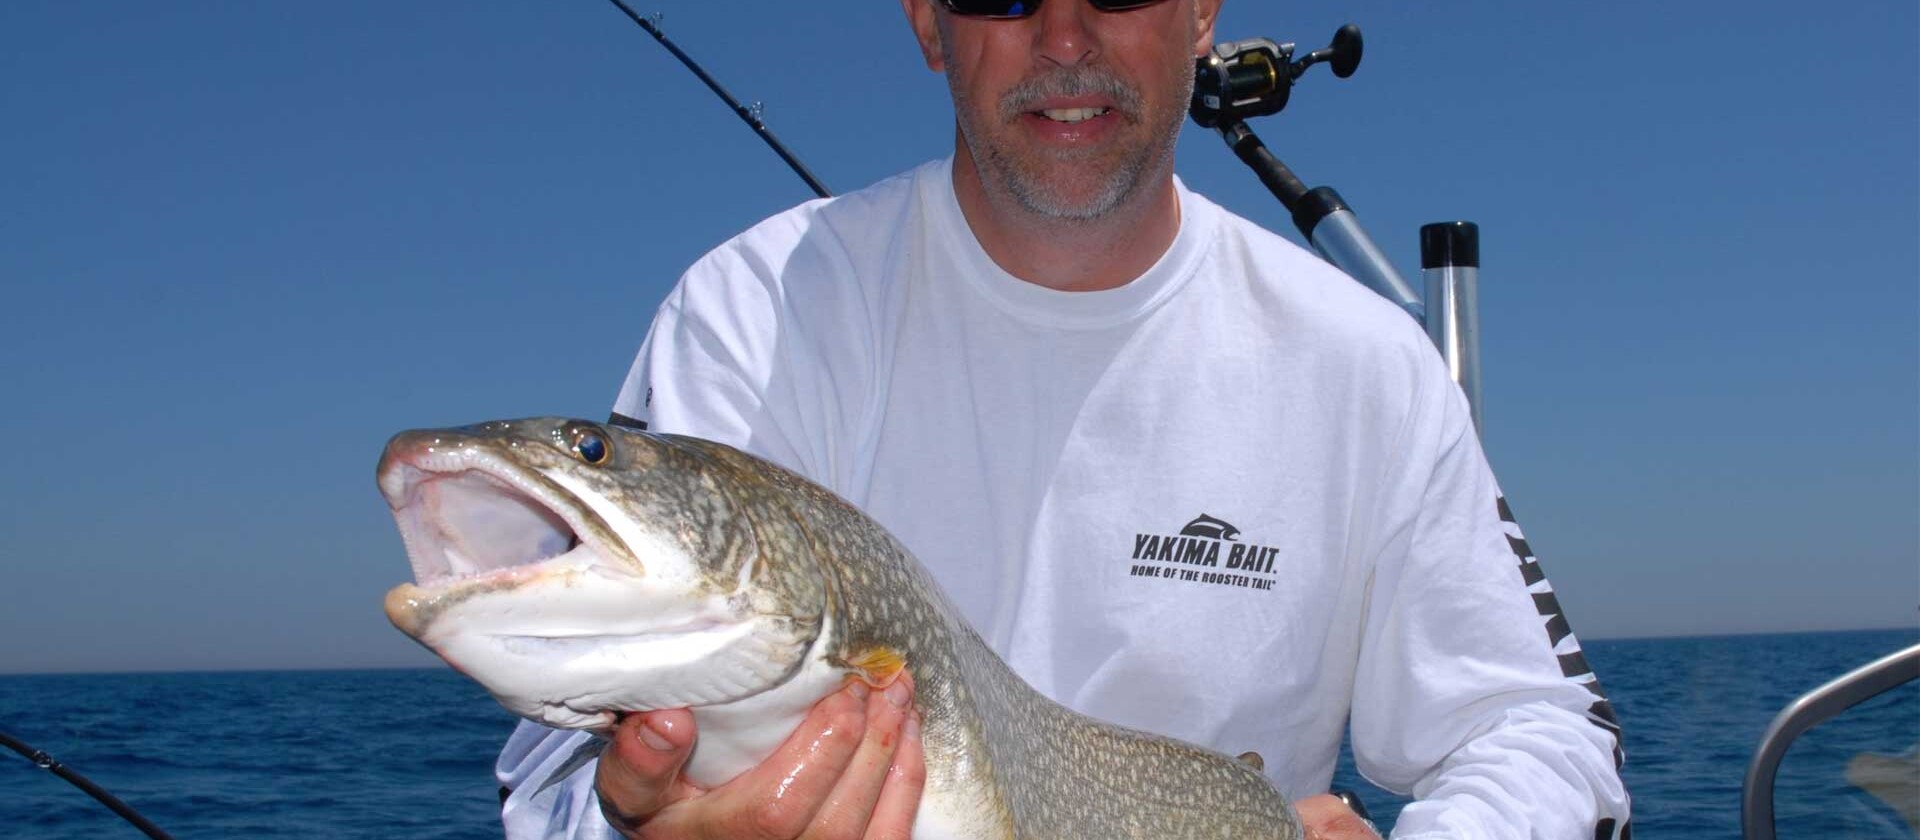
x,y
1254,77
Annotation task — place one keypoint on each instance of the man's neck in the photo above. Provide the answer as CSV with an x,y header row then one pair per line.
x,y
1070,255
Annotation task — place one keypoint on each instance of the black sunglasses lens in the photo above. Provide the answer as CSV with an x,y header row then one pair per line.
x,y
992,8
1023,8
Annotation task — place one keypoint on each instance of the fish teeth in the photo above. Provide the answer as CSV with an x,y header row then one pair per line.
x,y
1072,115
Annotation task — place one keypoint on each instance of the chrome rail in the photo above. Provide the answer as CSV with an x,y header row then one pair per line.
x,y
1812,709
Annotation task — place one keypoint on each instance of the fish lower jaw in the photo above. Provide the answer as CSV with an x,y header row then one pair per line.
x,y
456,572
417,608
576,680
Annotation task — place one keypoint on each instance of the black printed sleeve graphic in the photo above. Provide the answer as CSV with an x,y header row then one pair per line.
x,y
1573,662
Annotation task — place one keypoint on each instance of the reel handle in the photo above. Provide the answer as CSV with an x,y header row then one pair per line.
x,y
1343,54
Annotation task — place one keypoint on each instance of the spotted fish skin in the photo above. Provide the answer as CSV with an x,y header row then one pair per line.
x,y
1002,760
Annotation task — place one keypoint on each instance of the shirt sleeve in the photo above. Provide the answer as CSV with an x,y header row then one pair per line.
x,y
1470,692
536,806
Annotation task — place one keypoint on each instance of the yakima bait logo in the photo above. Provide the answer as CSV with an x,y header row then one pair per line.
x,y
1207,550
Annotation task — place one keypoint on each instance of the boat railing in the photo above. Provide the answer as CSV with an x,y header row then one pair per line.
x,y
1813,708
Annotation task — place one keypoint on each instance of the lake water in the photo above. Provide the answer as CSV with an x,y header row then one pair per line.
x,y
352,754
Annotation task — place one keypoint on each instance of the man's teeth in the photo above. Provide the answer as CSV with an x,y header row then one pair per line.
x,y
1072,115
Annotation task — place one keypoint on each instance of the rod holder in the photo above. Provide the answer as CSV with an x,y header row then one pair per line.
x,y
1450,261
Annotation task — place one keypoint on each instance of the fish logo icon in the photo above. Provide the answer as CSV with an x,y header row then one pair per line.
x,y
1211,528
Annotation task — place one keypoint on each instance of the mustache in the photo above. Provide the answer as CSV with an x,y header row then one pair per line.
x,y
1071,81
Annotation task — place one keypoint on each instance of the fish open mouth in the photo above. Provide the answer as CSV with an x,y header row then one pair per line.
x,y
529,578
467,524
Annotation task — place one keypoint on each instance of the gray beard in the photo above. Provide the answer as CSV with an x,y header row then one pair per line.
x,y
1026,181
1041,198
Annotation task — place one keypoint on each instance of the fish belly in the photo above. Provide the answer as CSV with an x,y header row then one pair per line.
x,y
943,816
735,737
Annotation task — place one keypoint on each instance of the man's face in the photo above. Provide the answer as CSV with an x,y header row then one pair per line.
x,y
1070,111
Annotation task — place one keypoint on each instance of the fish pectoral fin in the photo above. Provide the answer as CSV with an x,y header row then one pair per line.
x,y
1252,759
588,750
878,666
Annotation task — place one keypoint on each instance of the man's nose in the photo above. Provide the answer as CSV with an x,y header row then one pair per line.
x,y
1065,32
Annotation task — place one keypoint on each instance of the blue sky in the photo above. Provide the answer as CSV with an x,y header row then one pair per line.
x,y
242,243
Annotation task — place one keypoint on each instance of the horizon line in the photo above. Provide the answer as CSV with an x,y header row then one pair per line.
x,y
442,667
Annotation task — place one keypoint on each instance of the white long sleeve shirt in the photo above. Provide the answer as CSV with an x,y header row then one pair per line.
x,y
1236,501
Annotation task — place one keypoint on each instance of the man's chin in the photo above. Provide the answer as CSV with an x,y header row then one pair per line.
x,y
1071,193
1068,183
1067,209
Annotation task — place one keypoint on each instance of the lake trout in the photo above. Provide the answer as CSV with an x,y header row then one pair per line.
x,y
579,571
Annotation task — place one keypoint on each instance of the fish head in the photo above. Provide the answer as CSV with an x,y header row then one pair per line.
x,y
578,570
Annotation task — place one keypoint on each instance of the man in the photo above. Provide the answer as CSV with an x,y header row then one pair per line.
x,y
1180,474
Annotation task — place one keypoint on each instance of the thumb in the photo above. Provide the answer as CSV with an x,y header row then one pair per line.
x,y
639,773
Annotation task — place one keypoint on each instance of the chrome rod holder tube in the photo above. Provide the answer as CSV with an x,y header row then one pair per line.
x,y
1450,261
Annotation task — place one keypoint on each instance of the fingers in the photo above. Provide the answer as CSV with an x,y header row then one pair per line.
x,y
848,808
853,768
1325,817
900,799
639,773
778,798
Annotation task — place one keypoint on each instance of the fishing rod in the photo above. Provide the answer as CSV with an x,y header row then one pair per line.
x,y
52,765
750,114
1240,80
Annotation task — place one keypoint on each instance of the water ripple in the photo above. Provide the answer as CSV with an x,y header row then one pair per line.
x,y
363,753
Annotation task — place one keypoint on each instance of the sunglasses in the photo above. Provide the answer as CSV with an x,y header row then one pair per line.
x,y
1026,8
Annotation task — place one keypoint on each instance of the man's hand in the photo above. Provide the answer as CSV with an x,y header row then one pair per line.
x,y
1325,817
852,769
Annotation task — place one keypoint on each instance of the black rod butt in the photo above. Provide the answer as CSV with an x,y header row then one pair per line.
x,y
1450,244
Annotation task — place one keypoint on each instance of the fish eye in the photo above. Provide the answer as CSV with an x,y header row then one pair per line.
x,y
591,446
